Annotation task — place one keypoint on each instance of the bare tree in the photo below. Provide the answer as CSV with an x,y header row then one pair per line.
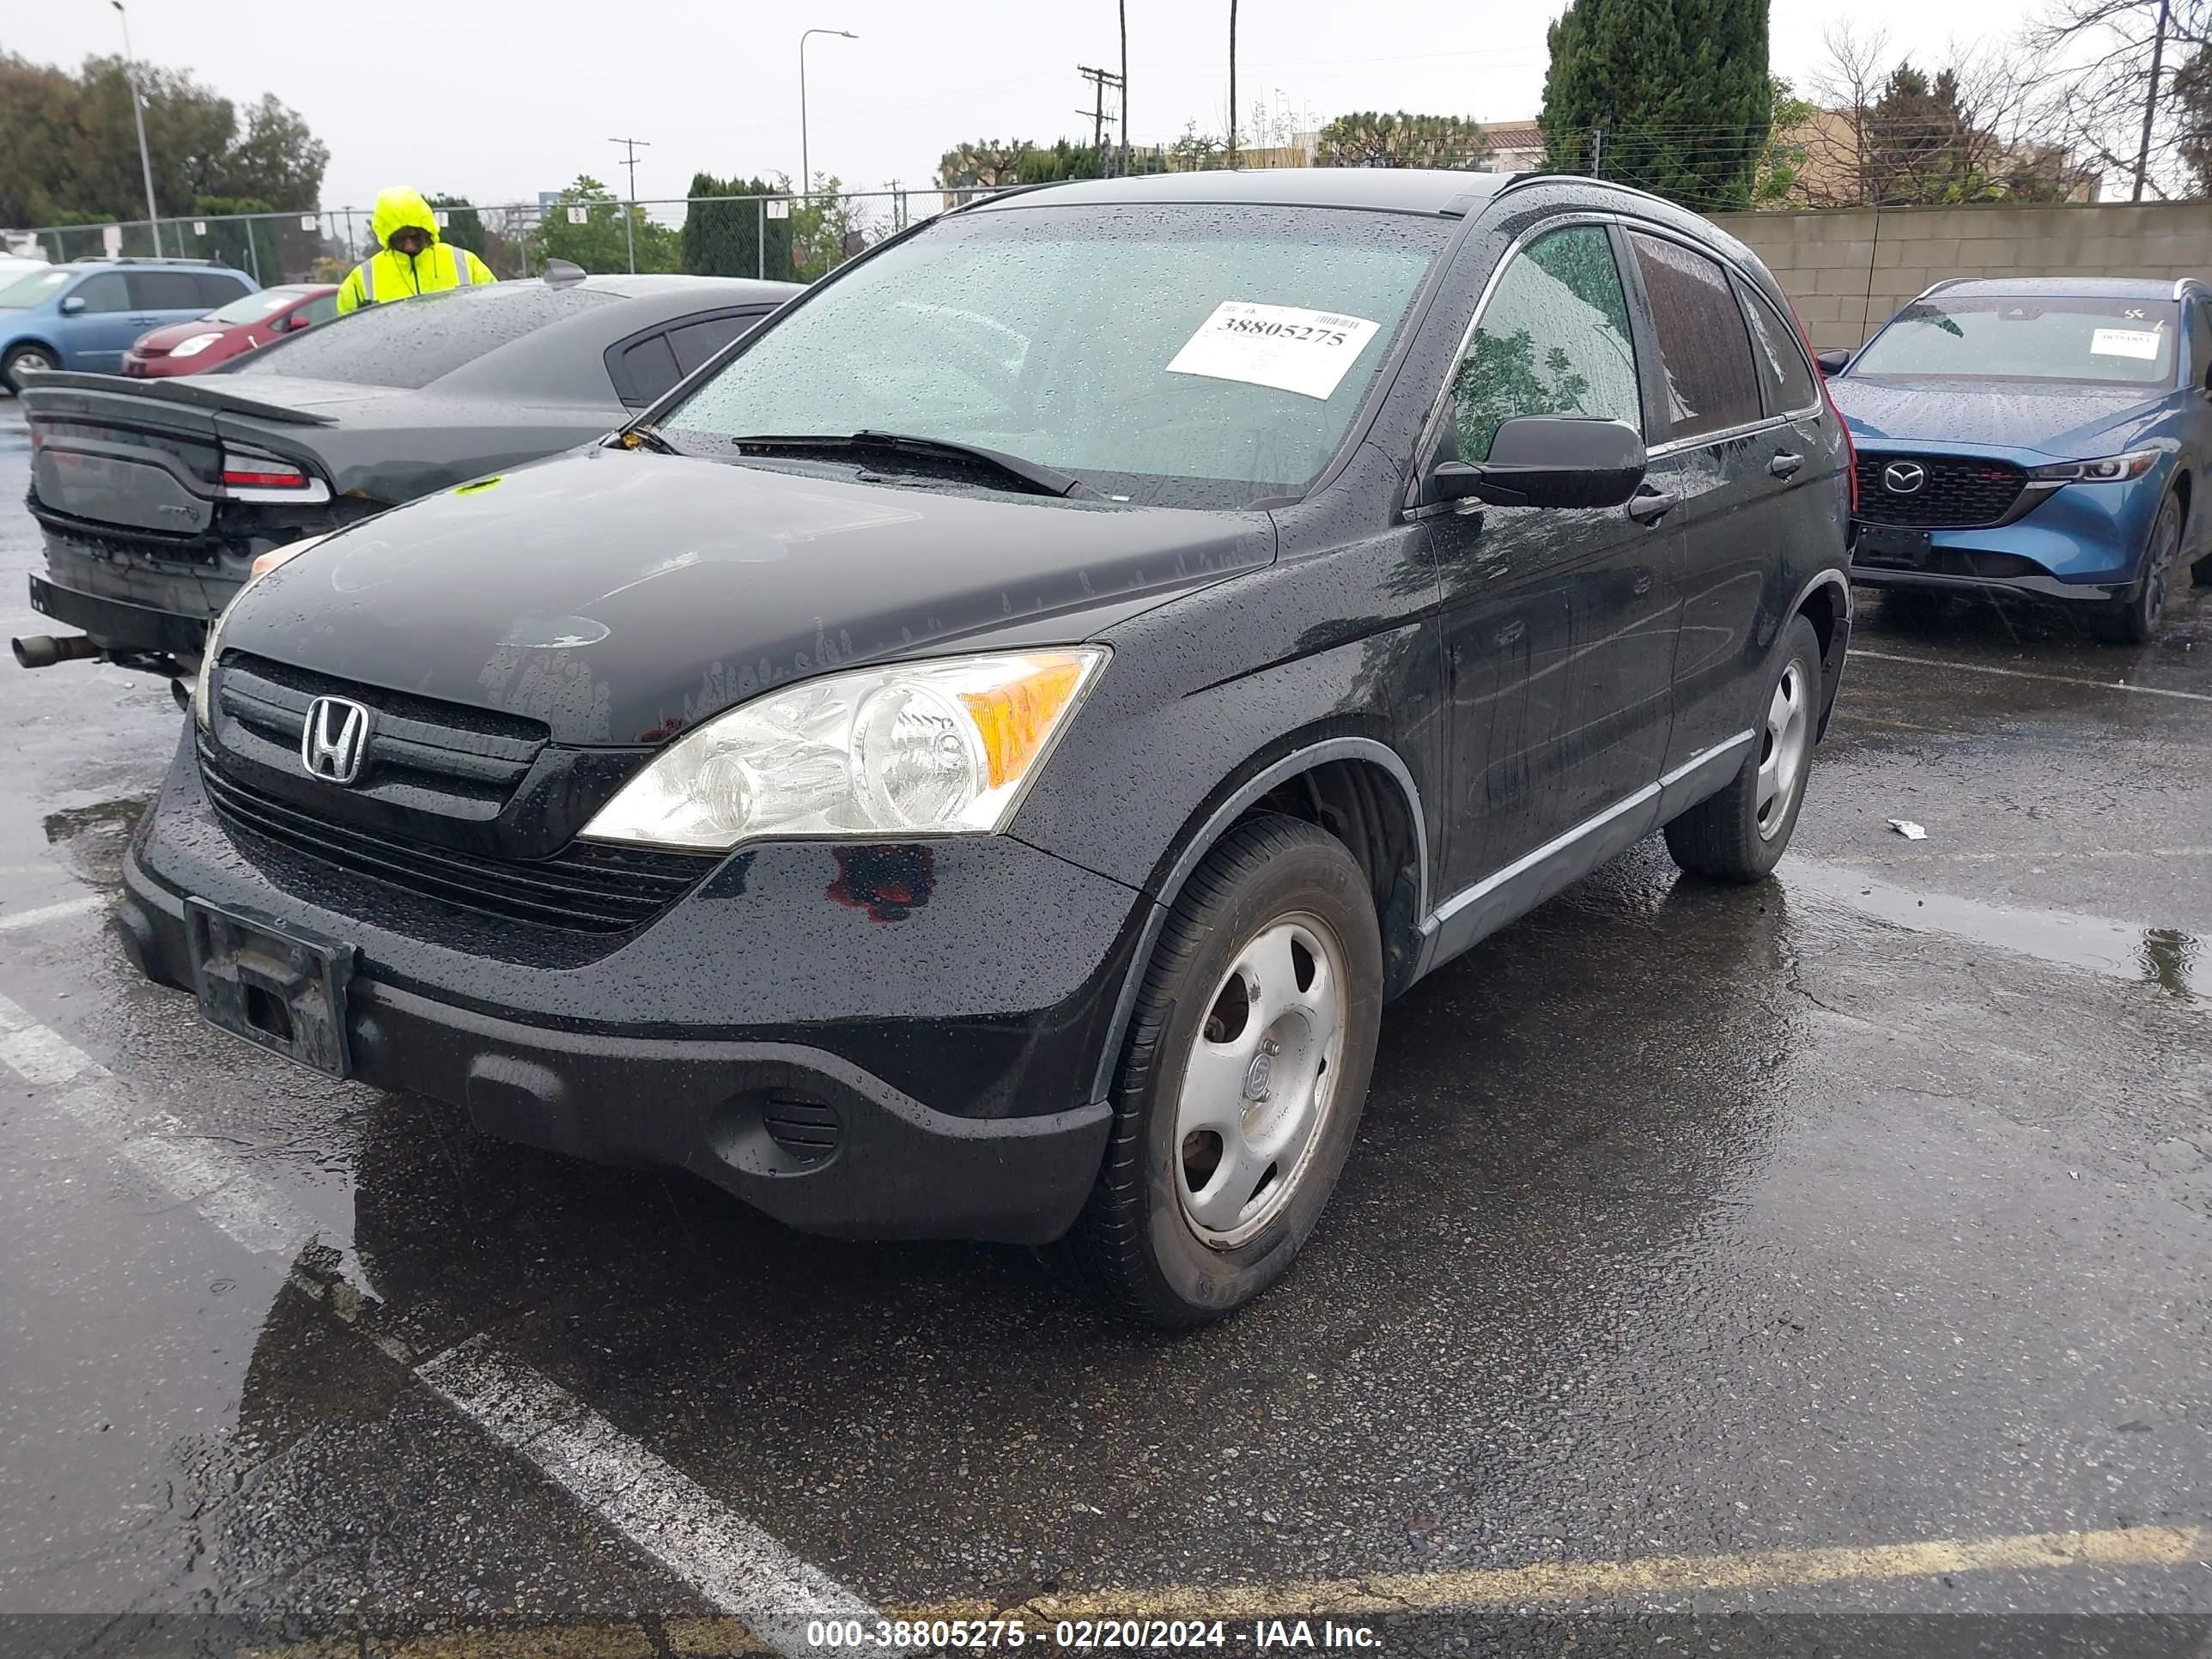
x,y
1973,125
2112,66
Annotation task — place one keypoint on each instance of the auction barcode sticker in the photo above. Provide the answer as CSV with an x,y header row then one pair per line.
x,y
2124,343
1286,347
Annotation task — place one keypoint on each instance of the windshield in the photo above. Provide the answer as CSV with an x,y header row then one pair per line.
x,y
1203,356
254,307
410,343
2118,341
30,290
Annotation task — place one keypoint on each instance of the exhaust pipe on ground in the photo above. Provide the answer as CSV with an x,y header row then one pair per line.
x,y
43,650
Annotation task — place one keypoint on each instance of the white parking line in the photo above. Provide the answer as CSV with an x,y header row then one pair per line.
x,y
76,906
2027,674
728,1562
735,1565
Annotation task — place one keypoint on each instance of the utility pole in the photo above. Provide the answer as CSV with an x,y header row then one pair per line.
x,y
2150,100
138,114
805,178
1100,80
629,213
1122,126
1232,85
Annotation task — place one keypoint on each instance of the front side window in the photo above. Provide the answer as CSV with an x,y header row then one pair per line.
x,y
103,293
1553,339
1711,384
2026,337
1198,355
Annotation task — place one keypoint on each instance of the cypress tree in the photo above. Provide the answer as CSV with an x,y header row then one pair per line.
x,y
1678,88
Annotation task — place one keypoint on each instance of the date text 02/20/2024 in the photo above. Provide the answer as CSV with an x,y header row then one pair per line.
x,y
1086,1635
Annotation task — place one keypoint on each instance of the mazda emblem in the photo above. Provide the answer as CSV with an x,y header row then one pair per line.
x,y
335,740
1905,477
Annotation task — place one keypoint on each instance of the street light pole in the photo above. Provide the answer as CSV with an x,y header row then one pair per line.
x,y
805,178
138,114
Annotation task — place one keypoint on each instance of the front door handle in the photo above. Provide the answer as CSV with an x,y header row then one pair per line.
x,y
1783,466
1650,506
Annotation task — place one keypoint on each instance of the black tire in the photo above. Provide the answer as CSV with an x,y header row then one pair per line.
x,y
2134,620
1133,1244
25,356
1723,838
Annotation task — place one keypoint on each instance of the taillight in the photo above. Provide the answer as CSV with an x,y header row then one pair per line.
x,y
1850,449
261,473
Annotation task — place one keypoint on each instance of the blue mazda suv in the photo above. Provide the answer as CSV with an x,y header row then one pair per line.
x,y
2044,436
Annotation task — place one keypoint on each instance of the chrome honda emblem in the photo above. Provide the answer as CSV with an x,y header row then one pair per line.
x,y
335,740
1904,478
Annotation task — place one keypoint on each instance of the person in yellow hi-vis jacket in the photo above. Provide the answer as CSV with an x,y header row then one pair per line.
x,y
412,259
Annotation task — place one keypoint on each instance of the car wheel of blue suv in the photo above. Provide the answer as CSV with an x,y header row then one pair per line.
x,y
32,358
2133,620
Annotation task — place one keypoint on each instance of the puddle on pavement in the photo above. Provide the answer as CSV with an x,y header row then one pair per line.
x,y
2175,962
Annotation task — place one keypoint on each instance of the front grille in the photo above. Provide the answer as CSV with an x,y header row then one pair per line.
x,y
586,888
1958,493
443,750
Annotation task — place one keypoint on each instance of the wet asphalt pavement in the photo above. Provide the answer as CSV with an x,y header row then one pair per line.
x,y
1871,1208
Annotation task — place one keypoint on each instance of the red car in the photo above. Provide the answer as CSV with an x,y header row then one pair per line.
x,y
248,321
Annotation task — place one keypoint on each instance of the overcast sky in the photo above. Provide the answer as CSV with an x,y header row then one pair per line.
x,y
497,99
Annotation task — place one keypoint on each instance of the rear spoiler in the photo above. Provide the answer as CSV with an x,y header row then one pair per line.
x,y
60,390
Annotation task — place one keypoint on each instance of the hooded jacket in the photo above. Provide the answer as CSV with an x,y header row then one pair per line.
x,y
389,275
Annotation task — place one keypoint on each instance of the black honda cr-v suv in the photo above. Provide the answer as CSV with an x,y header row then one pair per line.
x,y
975,759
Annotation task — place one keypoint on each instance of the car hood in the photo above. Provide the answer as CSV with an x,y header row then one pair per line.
x,y
622,596
2068,421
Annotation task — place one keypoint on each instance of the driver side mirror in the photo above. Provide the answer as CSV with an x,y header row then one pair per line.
x,y
74,304
1547,460
1831,361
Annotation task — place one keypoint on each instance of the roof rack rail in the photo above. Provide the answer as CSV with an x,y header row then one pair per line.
x,y
137,259
1540,175
2183,284
1945,281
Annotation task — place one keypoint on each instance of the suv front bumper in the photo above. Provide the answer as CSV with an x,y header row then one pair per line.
x,y
836,1067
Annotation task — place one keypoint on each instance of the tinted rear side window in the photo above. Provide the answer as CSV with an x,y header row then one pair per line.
x,y
217,290
645,370
1781,366
694,343
1711,381
165,290
410,343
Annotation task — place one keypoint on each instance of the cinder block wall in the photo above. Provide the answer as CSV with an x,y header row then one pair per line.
x,y
1847,271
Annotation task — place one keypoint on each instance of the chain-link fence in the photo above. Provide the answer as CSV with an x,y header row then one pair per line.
x,y
793,237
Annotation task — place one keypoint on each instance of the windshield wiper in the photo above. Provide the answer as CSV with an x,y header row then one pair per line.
x,y
1035,475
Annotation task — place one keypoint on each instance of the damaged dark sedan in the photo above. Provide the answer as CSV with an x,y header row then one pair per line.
x,y
976,763
155,497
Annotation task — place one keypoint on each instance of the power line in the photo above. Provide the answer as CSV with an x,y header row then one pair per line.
x,y
1100,80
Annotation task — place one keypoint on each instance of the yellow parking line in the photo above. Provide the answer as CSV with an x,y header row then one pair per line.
x,y
1446,1590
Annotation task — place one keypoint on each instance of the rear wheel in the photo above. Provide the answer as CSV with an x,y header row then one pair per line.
x,y
32,358
1242,1081
1740,835
2133,620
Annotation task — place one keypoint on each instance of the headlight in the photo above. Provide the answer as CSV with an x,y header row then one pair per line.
x,y
2111,469
193,347
915,749
202,710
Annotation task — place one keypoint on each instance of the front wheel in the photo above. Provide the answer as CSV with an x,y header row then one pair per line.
x,y
1242,1081
2133,620
26,359
1740,834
